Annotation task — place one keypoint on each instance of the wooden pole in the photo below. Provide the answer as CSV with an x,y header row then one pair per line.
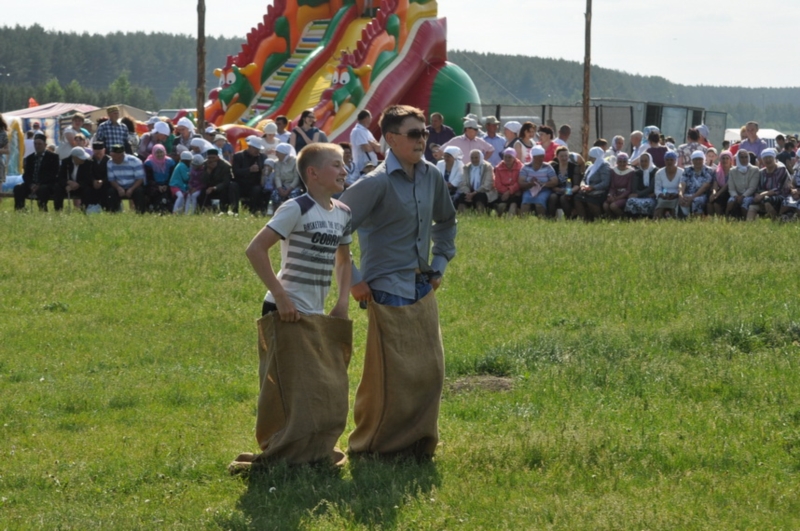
x,y
587,79
201,64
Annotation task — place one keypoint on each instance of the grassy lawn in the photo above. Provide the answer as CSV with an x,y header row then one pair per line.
x,y
604,376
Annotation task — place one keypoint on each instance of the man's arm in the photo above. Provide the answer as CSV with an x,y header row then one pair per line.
x,y
443,232
362,198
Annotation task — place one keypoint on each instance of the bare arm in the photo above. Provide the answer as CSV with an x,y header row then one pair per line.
x,y
258,254
342,271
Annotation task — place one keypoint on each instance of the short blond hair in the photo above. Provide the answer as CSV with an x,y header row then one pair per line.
x,y
314,155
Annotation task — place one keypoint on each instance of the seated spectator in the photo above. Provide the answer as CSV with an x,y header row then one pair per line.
x,y
451,167
285,178
39,177
791,204
158,169
353,174
470,140
184,133
498,142
685,151
536,180
74,177
656,150
668,182
69,136
637,147
718,199
546,141
617,147
270,140
569,180
200,146
126,176
695,184
620,188
248,166
160,134
217,179
774,186
179,183
477,184
788,155
506,182
642,201
197,173
524,143
594,186
742,184
225,148
96,196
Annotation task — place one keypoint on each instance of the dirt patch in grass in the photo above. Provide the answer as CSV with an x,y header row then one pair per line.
x,y
482,382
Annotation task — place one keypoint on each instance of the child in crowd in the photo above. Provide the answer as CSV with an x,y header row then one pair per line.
x,y
196,186
179,182
314,232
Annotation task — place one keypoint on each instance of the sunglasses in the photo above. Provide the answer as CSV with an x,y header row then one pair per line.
x,y
414,134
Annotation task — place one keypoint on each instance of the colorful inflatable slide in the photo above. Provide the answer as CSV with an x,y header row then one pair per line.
x,y
339,57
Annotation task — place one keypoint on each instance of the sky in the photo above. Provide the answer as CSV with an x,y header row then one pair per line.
x,y
688,42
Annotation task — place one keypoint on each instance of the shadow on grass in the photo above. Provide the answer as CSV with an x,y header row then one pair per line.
x,y
287,498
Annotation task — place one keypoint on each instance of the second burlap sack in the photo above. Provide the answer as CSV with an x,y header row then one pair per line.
x,y
397,403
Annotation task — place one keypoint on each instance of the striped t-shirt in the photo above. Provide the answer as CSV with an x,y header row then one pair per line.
x,y
310,236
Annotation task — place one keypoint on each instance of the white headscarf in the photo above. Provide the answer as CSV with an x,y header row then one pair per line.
x,y
646,173
187,123
457,171
203,144
739,166
476,171
597,153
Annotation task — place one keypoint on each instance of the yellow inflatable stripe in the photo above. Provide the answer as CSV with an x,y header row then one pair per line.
x,y
420,11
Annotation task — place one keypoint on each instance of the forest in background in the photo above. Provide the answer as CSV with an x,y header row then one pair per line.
x,y
158,70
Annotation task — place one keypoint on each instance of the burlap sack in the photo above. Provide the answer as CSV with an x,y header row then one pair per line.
x,y
397,402
303,399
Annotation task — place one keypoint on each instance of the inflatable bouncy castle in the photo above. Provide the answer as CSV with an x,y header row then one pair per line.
x,y
339,57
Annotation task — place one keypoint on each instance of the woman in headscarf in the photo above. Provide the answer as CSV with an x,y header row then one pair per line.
x,y
569,180
791,204
5,150
451,167
642,201
718,199
620,188
536,180
184,132
158,169
305,133
594,187
477,185
270,140
199,146
285,177
668,182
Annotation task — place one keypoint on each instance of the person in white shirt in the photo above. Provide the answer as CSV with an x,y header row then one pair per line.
x,y
365,147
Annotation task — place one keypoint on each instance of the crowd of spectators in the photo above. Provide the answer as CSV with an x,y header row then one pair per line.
x,y
649,176
517,169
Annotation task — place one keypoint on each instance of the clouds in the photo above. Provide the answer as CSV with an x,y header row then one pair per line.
x,y
706,42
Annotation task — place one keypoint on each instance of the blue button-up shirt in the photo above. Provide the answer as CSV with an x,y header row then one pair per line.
x,y
397,218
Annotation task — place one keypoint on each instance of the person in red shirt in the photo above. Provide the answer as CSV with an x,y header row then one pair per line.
x,y
506,182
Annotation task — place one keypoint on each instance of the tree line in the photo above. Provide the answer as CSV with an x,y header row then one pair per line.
x,y
157,70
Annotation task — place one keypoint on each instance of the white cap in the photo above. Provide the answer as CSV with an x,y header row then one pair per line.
x,y
513,126
79,153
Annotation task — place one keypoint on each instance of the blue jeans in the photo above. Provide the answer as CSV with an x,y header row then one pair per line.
x,y
421,289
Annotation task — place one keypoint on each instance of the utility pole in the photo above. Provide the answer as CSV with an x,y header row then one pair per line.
x,y
587,79
201,64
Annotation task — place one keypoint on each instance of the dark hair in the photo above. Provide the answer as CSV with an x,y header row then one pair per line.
x,y
3,124
313,155
527,126
600,142
281,118
726,144
394,116
789,144
346,145
129,124
559,149
546,130
305,114
653,137
669,139
693,134
364,114
564,130
780,137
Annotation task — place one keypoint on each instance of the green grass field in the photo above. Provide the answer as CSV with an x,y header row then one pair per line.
x,y
604,376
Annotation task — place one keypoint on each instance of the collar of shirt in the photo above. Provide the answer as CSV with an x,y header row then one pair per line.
x,y
393,165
